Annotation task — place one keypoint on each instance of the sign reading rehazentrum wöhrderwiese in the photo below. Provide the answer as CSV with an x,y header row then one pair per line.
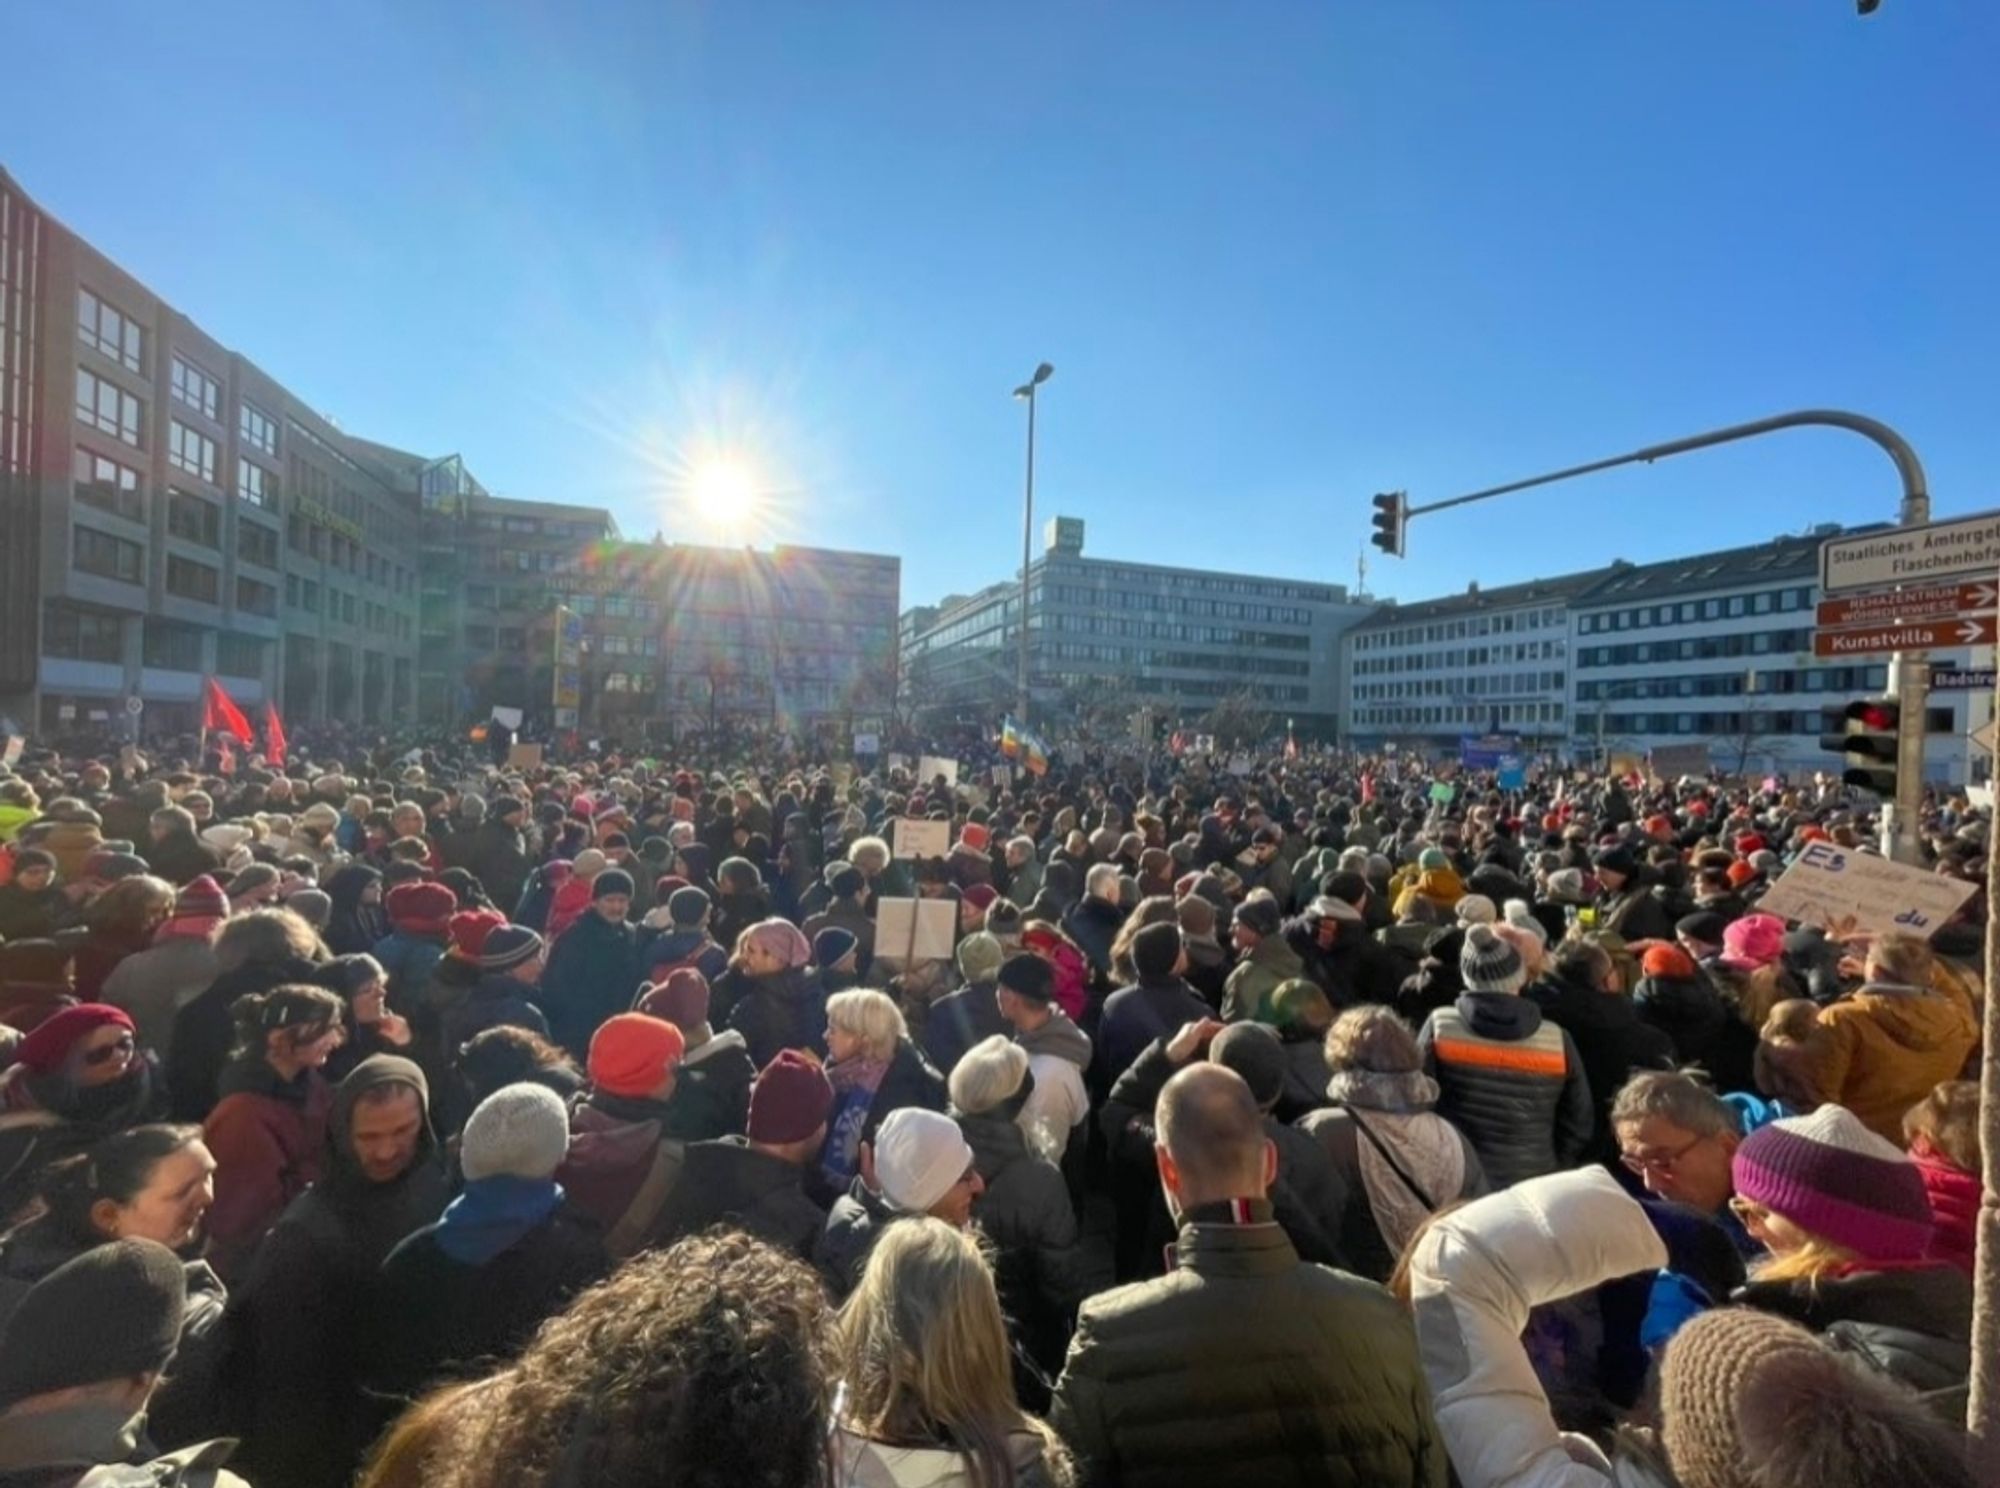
x,y
1910,555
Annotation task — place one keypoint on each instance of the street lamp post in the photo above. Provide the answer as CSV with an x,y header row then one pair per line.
x,y
1027,391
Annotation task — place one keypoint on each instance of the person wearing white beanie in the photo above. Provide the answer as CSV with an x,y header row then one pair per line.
x,y
919,1163
508,1253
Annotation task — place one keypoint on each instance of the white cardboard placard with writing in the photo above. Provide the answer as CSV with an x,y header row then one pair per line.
x,y
917,838
912,930
1838,889
930,766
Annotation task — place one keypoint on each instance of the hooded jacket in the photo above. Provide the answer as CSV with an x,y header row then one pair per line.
x,y
492,1001
1058,1054
621,1165
296,1320
712,1093
1264,968
99,1446
496,855
1886,1047
1442,886
354,928
1511,1082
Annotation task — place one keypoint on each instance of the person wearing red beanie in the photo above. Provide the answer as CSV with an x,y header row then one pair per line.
x,y
80,1075
420,915
712,1094
636,1055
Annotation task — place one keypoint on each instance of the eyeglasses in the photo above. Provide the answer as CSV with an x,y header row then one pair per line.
x,y
1658,1162
125,1048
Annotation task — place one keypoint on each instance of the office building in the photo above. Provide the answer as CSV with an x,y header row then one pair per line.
x,y
1424,675
1110,638
173,512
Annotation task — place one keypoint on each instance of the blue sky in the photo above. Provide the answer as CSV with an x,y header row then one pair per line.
x,y
1282,255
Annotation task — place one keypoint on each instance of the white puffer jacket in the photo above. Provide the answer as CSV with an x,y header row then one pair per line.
x,y
1475,1276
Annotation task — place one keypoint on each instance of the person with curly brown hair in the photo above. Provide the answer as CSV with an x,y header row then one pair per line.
x,y
707,1365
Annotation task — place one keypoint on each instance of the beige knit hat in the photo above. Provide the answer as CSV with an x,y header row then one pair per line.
x,y
1752,1400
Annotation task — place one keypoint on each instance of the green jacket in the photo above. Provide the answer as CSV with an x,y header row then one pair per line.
x,y
1247,993
1247,1365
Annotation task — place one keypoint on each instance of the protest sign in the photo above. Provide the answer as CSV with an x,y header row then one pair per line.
x,y
930,766
1003,776
1442,792
911,930
1845,892
12,754
507,718
1671,761
524,757
867,743
917,838
1512,774
896,762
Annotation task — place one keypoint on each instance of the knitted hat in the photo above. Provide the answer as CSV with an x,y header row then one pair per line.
x,y
790,1099
1028,975
1488,963
1748,843
311,904
1752,1400
1475,909
610,881
832,946
1565,886
319,817
632,1052
1004,919
589,863
1156,949
1754,940
1256,1053
1260,913
1704,925
1830,1175
420,908
251,879
844,880
987,1074
687,907
469,929
1740,873
1299,1003
682,999
1520,915
519,1131
347,975
1667,961
782,939
47,1049
199,907
919,1155
1615,859
109,1314
509,946
1432,860
979,957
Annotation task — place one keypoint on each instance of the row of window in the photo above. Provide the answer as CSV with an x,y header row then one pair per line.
x,y
1175,604
1744,725
1476,686
1136,578
1547,618
1848,679
1459,658
1458,715
1689,612
1697,648
75,632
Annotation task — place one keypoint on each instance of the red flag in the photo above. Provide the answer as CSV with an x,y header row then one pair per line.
x,y
218,714
1367,789
274,735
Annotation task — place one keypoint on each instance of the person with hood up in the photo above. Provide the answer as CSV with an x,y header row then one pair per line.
x,y
1155,1006
505,1256
297,1321
623,1159
756,1182
419,935
593,969
770,993
268,1130
154,984
684,940
1511,1082
79,1366
31,904
1058,1053
918,1163
1264,960
357,922
1435,880
1887,1045
77,1078
712,1090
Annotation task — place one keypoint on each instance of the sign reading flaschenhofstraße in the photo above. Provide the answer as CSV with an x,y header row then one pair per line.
x,y
1910,555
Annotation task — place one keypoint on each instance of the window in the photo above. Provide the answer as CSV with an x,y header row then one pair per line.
x,y
107,485
107,407
239,655
256,485
191,580
109,332
256,543
258,428
190,517
77,634
190,451
195,387
253,597
309,596
108,557
175,647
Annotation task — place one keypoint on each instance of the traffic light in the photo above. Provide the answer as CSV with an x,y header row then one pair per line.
x,y
1864,734
1392,516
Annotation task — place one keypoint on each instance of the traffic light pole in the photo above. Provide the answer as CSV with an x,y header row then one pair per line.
x,y
1909,676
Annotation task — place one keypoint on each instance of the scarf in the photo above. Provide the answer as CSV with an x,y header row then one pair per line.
x,y
492,1214
855,1082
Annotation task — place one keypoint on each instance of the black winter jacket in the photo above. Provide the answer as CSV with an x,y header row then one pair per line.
x,y
1511,1083
728,1181
1612,1040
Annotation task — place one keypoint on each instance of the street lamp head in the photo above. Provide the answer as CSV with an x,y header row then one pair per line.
x,y
1025,390
1044,372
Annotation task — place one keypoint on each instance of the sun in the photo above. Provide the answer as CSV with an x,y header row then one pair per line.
x,y
725,500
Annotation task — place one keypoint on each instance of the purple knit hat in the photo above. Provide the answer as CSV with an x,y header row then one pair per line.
x,y
1829,1174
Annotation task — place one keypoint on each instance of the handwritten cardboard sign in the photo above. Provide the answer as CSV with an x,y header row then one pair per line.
x,y
930,766
912,930
1839,889
917,838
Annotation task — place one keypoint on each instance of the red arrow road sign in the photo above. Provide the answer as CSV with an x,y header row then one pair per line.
x,y
1909,604
1922,635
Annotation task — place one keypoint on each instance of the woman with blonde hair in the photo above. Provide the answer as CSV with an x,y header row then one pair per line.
x,y
875,1069
926,1395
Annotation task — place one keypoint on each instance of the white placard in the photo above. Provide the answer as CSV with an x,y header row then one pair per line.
x,y
1240,764
911,930
896,762
917,838
1003,776
929,767
1837,888
867,743
508,718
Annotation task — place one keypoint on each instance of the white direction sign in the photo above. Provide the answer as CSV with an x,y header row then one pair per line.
x,y
1910,555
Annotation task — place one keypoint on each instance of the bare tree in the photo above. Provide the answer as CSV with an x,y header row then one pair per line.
x,y
1238,719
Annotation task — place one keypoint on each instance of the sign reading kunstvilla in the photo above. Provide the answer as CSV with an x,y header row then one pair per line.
x,y
1845,892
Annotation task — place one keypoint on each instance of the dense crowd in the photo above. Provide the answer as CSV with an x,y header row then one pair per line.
x,y
406,1117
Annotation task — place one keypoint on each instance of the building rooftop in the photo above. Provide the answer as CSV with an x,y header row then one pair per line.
x,y
1562,589
1788,557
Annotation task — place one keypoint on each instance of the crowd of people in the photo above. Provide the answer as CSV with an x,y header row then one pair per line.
x,y
408,1117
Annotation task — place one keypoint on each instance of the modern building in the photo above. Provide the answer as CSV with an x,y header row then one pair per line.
x,y
1422,676
173,512
1717,649
1111,638
682,637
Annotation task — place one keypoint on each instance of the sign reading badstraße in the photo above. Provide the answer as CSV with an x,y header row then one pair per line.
x,y
1839,889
